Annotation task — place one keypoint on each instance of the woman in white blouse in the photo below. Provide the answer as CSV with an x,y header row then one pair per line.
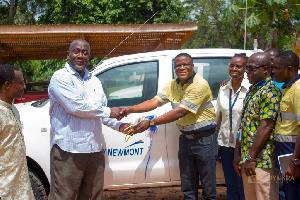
x,y
229,108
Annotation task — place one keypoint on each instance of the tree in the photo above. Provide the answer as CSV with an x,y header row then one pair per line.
x,y
215,28
20,12
271,21
112,12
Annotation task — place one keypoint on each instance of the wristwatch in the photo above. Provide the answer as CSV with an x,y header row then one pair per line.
x,y
151,123
296,161
249,158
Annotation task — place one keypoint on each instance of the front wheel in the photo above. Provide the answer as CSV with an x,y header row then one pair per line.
x,y
37,186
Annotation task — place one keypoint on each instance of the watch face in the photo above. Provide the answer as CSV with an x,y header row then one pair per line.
x,y
248,157
151,123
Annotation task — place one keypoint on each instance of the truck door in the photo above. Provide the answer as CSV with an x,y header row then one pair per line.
x,y
126,161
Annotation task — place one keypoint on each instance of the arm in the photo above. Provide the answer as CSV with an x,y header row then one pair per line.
x,y
170,116
219,121
237,158
67,94
145,106
262,136
296,155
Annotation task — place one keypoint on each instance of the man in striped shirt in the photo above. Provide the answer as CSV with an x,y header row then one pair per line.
x,y
78,107
287,137
190,96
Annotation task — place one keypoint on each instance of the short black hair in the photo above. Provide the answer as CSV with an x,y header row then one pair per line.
x,y
81,40
289,58
184,54
276,50
241,55
7,73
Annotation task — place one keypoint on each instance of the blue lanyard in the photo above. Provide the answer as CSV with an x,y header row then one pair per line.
x,y
231,138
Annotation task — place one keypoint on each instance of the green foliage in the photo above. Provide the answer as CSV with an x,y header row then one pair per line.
x,y
112,12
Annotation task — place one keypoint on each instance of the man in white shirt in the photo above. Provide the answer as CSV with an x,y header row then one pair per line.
x,y
78,107
14,178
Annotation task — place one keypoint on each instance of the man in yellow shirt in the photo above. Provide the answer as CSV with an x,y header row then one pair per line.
x,y
287,137
190,96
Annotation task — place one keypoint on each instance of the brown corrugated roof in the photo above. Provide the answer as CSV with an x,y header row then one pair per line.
x,y
44,42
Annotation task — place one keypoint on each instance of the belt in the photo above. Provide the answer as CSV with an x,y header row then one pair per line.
x,y
200,134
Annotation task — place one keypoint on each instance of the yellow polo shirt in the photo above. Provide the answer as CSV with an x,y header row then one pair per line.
x,y
194,96
288,121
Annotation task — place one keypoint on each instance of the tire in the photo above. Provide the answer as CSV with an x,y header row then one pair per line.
x,y
37,186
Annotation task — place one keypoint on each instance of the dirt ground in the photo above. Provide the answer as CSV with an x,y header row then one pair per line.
x,y
161,193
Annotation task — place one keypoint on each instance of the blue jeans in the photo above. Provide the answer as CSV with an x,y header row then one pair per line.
x,y
234,183
197,159
292,189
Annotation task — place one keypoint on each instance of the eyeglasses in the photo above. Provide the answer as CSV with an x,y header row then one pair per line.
x,y
252,69
237,66
185,65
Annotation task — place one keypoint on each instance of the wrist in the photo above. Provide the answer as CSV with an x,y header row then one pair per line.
x,y
151,122
295,161
249,158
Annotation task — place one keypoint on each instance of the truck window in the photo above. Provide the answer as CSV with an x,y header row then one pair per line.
x,y
130,84
213,70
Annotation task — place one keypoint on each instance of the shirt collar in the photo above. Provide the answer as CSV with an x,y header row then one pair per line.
x,y
244,84
3,103
190,80
261,83
71,70
291,82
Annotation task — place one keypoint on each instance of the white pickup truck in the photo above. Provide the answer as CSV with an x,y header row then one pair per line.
x,y
128,80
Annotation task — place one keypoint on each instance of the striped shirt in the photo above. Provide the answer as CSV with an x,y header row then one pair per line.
x,y
78,107
194,96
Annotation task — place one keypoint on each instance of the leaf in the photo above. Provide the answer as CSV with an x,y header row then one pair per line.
x,y
232,10
253,20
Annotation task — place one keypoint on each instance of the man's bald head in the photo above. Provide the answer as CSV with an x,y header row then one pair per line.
x,y
261,58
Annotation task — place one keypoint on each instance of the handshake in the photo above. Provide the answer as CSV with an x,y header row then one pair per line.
x,y
140,125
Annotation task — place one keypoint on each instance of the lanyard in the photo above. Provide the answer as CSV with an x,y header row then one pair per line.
x,y
231,138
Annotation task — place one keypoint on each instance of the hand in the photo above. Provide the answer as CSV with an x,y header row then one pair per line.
x,y
249,168
236,164
124,128
142,126
125,111
115,112
224,82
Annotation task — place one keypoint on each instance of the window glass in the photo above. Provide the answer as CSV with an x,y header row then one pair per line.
x,y
213,70
131,84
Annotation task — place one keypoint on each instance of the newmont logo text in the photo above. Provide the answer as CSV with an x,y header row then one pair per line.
x,y
125,151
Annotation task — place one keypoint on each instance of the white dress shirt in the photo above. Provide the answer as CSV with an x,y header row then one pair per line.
x,y
78,107
223,106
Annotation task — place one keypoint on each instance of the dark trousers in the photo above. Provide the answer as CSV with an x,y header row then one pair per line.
x,y
76,175
234,183
197,160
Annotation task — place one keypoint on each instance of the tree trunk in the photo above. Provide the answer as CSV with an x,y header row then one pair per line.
x,y
12,10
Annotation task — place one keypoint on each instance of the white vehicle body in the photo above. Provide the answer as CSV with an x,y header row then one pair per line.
x,y
128,80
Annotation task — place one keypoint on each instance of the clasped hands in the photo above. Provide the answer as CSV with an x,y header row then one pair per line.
x,y
129,128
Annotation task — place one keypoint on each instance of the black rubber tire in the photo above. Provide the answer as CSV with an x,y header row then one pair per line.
x,y
37,186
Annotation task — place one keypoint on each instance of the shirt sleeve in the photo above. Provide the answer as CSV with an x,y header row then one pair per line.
x,y
270,100
65,93
296,104
164,95
112,123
